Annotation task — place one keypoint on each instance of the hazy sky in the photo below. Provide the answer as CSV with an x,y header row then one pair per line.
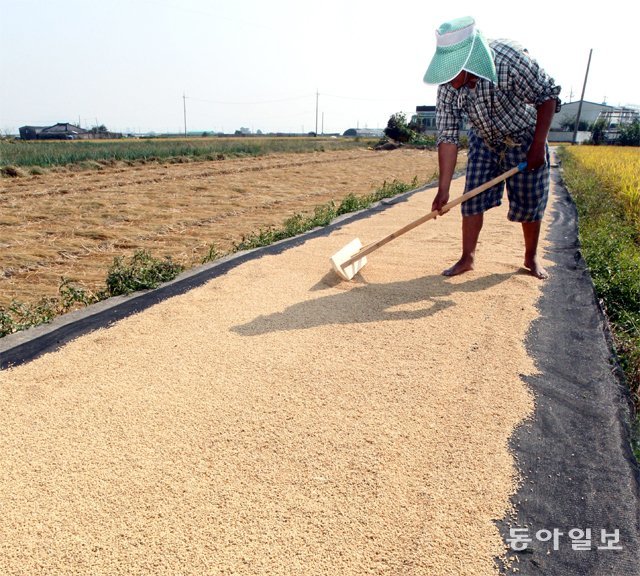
x,y
258,64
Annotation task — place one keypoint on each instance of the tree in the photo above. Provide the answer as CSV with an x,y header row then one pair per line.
x,y
598,131
569,124
102,129
398,130
630,134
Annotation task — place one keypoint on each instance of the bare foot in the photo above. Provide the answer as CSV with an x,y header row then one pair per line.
x,y
461,266
536,268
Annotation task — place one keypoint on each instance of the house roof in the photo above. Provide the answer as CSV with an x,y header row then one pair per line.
x,y
61,128
577,103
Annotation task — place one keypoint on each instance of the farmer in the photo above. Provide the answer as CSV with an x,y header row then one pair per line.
x,y
510,102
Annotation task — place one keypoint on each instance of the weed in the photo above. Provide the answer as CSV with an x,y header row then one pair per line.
x,y
323,215
20,316
71,294
351,203
141,272
36,171
212,254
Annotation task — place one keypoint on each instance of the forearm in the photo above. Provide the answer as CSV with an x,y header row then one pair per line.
x,y
447,158
536,157
545,112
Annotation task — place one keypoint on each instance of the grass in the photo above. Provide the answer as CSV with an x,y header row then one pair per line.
x,y
16,155
604,182
143,271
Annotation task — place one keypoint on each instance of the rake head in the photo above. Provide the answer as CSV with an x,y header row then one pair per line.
x,y
344,255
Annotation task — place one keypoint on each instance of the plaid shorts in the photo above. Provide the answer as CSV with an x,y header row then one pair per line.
x,y
527,191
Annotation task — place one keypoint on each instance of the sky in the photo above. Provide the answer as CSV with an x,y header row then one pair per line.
x,y
137,65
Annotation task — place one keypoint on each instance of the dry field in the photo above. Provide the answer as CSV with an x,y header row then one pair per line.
x,y
73,224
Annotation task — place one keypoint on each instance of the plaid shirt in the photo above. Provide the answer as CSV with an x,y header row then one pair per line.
x,y
501,111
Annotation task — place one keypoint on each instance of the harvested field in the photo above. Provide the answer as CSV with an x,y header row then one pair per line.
x,y
73,224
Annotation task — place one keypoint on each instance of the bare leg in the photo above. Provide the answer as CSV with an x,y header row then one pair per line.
x,y
471,226
531,231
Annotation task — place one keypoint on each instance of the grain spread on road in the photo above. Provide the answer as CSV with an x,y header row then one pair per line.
x,y
277,421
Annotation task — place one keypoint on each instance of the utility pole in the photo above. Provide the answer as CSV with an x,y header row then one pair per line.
x,y
184,106
322,124
584,85
317,111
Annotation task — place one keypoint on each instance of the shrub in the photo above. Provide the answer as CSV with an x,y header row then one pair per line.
x,y
598,132
630,134
12,172
141,272
398,130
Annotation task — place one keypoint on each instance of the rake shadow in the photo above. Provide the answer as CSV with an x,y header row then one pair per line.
x,y
422,297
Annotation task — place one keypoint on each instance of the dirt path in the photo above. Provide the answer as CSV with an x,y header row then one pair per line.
x,y
275,421
74,224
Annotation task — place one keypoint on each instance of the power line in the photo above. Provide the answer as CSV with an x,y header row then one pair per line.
x,y
291,98
361,99
306,96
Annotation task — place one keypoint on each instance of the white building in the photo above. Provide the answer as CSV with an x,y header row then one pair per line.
x,y
589,113
425,120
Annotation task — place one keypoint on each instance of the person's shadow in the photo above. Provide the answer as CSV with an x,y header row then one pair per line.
x,y
407,300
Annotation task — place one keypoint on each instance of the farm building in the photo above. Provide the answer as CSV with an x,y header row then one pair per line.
x,y
613,117
562,126
364,132
63,131
56,132
589,113
425,119
30,132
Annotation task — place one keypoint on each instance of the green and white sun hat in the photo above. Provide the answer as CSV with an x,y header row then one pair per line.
x,y
460,46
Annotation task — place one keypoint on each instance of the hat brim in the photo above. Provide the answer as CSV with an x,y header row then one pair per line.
x,y
474,56
480,61
447,62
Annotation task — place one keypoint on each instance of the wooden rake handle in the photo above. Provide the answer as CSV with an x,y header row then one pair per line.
x,y
459,200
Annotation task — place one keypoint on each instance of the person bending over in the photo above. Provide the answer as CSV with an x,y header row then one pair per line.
x,y
509,101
